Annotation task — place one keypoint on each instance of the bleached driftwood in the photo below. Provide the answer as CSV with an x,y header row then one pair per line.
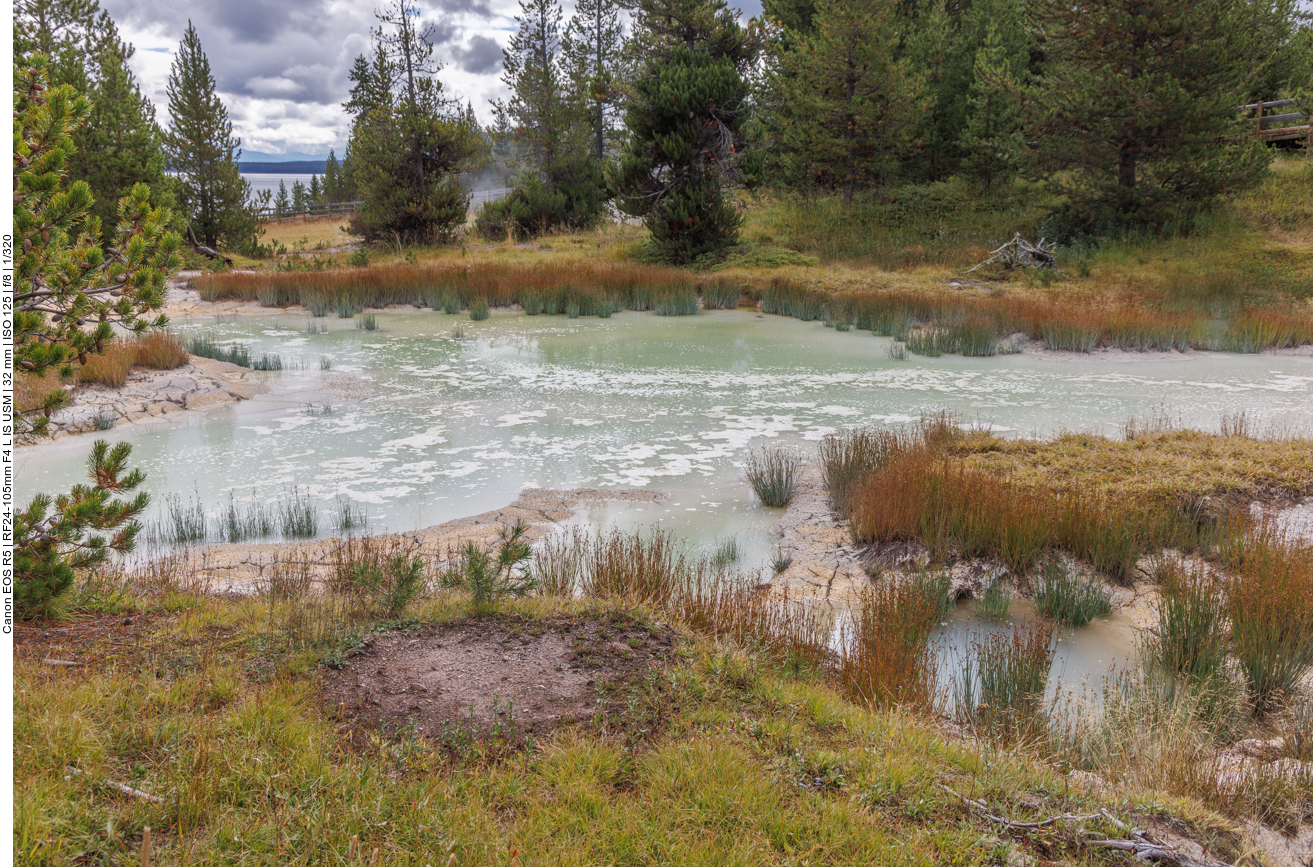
x,y
127,790
1020,253
1141,844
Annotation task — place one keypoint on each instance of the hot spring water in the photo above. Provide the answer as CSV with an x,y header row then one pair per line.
x,y
419,427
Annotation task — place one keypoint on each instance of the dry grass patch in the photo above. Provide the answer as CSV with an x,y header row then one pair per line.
x,y
1171,462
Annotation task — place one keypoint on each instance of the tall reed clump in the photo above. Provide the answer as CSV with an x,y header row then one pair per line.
x,y
1270,604
1000,685
479,309
1061,596
920,495
935,323
849,457
773,473
886,659
994,601
298,517
252,521
675,301
157,350
1191,640
109,368
789,298
618,565
721,294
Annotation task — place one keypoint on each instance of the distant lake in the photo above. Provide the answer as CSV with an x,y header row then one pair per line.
x,y
270,182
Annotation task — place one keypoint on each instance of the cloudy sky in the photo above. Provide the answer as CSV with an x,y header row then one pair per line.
x,y
281,67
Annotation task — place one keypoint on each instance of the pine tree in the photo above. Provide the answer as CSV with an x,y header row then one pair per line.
x,y
593,48
1138,100
298,196
119,144
408,140
943,39
849,109
685,121
316,190
281,201
530,62
56,538
201,148
331,172
993,142
71,286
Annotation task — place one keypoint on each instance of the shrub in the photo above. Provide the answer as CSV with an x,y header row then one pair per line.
x,y
58,538
571,196
392,584
773,474
1063,597
491,574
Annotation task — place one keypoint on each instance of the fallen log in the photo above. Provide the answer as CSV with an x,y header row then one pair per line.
x,y
206,251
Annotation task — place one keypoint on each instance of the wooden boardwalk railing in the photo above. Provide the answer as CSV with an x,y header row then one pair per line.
x,y
1279,133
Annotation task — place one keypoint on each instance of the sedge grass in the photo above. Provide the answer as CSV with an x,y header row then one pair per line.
x,y
994,601
1000,684
1191,639
773,474
1066,599
1270,605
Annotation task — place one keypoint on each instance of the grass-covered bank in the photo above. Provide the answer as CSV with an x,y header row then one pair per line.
x,y
757,736
724,756
1240,279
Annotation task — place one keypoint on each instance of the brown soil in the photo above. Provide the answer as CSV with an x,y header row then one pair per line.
x,y
493,676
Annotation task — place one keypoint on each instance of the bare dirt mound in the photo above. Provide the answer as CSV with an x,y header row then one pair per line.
x,y
499,676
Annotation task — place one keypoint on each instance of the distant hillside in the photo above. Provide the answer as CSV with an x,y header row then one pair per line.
x,y
298,167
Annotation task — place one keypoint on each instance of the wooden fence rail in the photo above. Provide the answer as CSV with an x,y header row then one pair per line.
x,y
305,212
1279,133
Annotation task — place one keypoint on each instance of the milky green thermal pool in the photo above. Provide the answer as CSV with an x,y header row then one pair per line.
x,y
454,427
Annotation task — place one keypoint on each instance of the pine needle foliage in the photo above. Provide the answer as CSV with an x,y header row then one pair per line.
x,y
57,538
71,291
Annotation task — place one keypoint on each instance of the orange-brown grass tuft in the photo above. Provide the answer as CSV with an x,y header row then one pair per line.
x,y
111,367
1270,603
161,350
886,659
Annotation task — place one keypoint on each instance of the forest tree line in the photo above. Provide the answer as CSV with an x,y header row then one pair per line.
x,y
664,110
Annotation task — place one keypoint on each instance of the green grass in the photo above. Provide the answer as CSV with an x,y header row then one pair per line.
x,y
206,345
772,472
1066,599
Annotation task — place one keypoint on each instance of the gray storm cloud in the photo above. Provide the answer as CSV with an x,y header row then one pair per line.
x,y
282,68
